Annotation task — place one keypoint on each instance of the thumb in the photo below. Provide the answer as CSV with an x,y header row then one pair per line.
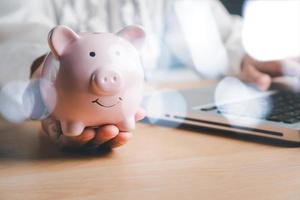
x,y
252,75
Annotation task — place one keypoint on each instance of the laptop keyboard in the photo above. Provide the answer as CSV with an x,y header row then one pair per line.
x,y
285,108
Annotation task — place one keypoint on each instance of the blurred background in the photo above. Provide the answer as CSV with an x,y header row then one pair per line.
x,y
24,28
234,6
187,40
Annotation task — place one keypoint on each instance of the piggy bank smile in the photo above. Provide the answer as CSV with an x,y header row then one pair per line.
x,y
98,102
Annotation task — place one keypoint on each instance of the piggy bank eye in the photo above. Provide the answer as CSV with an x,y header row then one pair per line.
x,y
92,54
118,53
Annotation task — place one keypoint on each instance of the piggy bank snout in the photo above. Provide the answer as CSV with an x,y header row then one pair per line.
x,y
108,82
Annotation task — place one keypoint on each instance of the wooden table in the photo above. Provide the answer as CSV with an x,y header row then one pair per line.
x,y
158,163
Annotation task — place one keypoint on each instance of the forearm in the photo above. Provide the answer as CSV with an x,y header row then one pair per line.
x,y
230,29
234,47
23,31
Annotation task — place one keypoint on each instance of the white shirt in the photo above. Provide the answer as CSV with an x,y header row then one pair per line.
x,y
199,33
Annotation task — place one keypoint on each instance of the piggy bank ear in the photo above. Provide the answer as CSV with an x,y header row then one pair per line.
x,y
59,38
134,34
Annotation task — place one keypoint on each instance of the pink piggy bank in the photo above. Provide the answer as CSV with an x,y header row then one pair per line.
x,y
99,81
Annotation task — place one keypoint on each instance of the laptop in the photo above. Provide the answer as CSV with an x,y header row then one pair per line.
x,y
198,107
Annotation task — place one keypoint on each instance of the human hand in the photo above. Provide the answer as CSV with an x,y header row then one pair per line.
x,y
104,136
91,138
262,73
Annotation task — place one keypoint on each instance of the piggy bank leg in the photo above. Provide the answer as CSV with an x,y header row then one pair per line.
x,y
127,125
72,128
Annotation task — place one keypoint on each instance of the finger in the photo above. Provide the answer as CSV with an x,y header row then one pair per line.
x,y
121,139
105,134
141,113
77,141
252,75
273,68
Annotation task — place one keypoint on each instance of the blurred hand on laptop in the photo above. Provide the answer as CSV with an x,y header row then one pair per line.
x,y
263,73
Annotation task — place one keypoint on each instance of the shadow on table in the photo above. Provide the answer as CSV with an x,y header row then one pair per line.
x,y
228,134
19,142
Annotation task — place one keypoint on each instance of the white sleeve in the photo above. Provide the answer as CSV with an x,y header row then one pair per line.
x,y
230,29
24,26
204,35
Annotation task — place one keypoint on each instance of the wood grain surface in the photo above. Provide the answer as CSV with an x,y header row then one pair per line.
x,y
158,163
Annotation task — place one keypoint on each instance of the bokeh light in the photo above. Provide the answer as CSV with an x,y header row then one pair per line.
x,y
21,100
241,104
272,29
160,104
32,99
12,105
